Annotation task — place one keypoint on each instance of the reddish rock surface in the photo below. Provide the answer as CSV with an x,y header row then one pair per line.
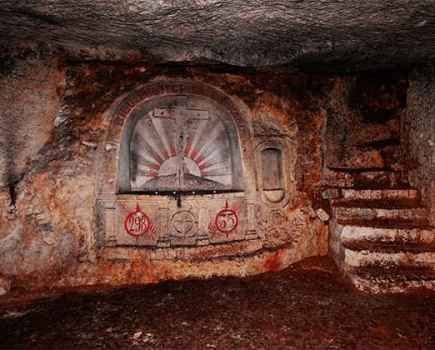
x,y
50,225
306,306
345,132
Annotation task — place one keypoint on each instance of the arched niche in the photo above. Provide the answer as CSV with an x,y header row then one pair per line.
x,y
116,167
275,158
179,143
190,139
272,174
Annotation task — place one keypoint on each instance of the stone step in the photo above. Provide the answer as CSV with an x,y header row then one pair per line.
x,y
379,203
396,279
366,245
378,194
396,246
380,155
378,179
360,157
396,272
381,230
361,210
357,178
388,255
377,134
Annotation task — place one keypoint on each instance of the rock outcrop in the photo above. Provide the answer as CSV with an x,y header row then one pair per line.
x,y
337,34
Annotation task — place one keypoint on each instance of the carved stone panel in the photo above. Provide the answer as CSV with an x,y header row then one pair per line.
x,y
227,221
136,224
277,227
192,170
183,227
199,221
182,144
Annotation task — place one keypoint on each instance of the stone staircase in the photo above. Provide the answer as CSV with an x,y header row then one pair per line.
x,y
379,232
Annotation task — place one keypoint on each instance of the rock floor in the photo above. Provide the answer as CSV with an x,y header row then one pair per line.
x,y
306,306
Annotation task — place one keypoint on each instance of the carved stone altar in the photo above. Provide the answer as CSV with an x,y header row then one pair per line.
x,y
186,167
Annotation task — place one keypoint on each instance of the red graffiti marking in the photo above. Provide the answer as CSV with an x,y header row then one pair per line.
x,y
154,166
188,146
137,223
152,174
156,157
194,154
200,158
165,154
173,150
226,220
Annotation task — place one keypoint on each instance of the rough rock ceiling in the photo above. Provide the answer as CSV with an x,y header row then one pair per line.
x,y
295,33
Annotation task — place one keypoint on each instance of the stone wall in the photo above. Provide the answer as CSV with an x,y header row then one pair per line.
x,y
419,126
30,98
363,130
60,110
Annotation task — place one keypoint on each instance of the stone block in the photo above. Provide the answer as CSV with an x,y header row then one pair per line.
x,y
331,193
360,158
322,214
5,285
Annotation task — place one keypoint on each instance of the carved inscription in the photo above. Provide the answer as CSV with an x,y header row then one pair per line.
x,y
276,227
225,221
183,224
137,223
198,222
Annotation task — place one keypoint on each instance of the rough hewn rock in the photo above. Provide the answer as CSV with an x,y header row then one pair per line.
x,y
322,214
382,241
5,285
30,100
419,131
51,226
357,158
306,33
363,129
55,130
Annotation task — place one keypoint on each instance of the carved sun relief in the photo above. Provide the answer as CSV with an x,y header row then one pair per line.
x,y
178,148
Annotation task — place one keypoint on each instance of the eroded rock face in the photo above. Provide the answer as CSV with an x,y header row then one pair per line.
x,y
5,286
64,220
364,122
30,99
53,222
420,135
343,34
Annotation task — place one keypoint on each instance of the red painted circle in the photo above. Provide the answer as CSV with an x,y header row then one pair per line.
x,y
226,220
137,223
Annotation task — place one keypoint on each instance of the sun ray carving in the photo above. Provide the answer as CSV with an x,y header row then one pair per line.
x,y
203,156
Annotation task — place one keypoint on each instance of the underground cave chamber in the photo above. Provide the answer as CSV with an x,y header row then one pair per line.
x,y
138,176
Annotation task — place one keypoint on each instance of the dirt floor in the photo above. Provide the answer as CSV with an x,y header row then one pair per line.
x,y
304,307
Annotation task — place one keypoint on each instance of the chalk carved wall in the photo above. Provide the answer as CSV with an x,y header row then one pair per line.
x,y
183,144
419,128
86,213
183,165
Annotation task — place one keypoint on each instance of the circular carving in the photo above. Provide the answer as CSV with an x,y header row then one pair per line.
x,y
226,220
183,223
137,223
